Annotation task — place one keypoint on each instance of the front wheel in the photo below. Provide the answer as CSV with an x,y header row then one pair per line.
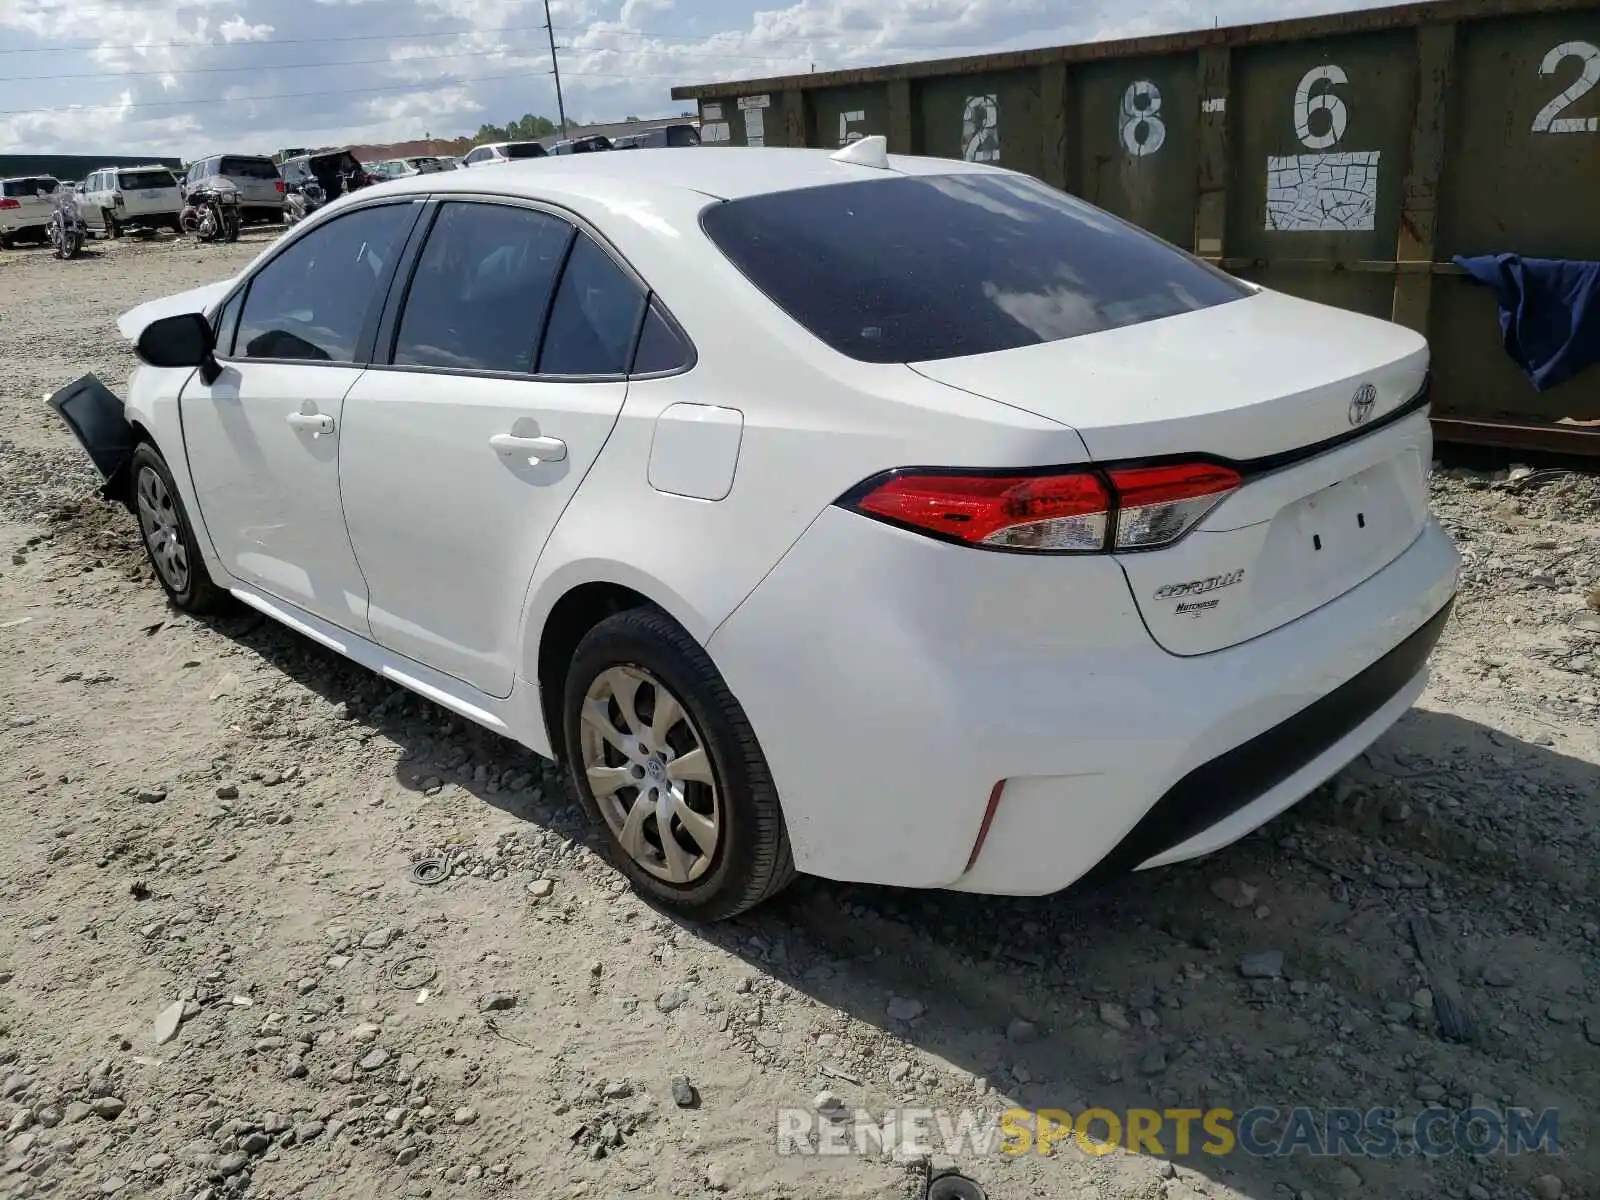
x,y
667,765
113,230
168,535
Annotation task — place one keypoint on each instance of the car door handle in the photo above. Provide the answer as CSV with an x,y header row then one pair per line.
x,y
314,421
538,449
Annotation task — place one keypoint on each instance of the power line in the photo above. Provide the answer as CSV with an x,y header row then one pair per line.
x,y
219,45
337,62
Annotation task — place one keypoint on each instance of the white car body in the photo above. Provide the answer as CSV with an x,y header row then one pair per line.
x,y
145,197
26,204
934,715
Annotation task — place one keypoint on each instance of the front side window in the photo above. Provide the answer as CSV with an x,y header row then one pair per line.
x,y
313,300
916,268
595,318
481,289
226,322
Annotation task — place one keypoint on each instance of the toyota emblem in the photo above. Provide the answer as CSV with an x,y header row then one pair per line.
x,y
1362,404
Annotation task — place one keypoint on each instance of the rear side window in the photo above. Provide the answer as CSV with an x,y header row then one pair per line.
x,y
29,187
524,150
910,269
661,347
596,316
682,135
482,288
248,168
133,181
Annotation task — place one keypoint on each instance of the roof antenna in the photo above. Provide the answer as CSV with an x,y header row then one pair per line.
x,y
865,152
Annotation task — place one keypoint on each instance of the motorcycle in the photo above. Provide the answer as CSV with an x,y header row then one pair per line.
x,y
211,212
301,200
68,230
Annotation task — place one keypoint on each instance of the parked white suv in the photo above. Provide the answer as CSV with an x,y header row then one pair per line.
x,y
116,199
502,152
26,203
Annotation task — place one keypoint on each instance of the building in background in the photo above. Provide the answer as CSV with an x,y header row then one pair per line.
x,y
76,166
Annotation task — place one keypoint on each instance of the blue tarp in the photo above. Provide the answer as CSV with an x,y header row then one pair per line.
x,y
1549,312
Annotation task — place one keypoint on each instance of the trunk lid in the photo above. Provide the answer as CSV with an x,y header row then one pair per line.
x,y
1282,389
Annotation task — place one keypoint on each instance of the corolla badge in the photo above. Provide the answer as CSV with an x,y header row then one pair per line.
x,y
1199,587
1362,404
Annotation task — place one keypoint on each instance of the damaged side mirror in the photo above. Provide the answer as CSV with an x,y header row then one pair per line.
x,y
185,340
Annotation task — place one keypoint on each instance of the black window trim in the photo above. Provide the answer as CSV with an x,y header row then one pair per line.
x,y
388,329
362,357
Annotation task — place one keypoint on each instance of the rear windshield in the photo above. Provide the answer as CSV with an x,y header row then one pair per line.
x,y
524,150
29,187
248,168
940,266
682,135
133,181
345,161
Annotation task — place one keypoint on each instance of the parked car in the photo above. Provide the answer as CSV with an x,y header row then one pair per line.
x,y
27,202
401,168
338,171
582,145
805,542
669,135
117,200
254,176
502,152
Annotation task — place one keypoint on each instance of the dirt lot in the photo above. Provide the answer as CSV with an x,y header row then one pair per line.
x,y
213,824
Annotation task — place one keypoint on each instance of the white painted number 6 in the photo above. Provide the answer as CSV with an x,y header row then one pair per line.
x,y
1324,101
1143,131
1550,119
980,129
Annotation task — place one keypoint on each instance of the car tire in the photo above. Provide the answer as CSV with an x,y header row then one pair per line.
x,y
109,222
6,243
168,534
728,794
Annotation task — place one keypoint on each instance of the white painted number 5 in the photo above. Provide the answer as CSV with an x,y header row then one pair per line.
x,y
1550,119
1305,104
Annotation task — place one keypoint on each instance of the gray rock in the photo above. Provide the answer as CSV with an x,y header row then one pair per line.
x,y
1021,1031
378,939
295,1068
255,1143
617,1089
683,1093
49,1116
670,999
373,1059
1431,1092
540,888
231,1164
276,1123
306,986
1264,964
1591,1030
227,792
152,795
1476,1191
1560,1014
716,1177
903,1009
167,1023
15,1085
407,1155
307,1131
899,1070
107,1107
112,1184
1154,1061
1113,1015
497,1002
1498,975
465,1115
1548,1187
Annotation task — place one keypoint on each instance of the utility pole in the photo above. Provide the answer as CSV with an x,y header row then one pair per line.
x,y
555,68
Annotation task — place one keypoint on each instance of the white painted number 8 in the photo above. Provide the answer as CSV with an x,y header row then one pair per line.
x,y
1324,101
1142,129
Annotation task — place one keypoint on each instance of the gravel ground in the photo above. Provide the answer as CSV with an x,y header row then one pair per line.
x,y
218,979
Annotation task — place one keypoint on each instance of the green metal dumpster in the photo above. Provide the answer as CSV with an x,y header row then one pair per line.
x,y
1344,158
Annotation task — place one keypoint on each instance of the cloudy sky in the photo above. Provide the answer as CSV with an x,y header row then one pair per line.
x,y
185,77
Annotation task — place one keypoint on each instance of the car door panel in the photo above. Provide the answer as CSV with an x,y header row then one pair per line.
x,y
447,525
267,482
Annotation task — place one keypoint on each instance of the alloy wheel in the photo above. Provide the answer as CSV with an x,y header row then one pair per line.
x,y
647,767
158,521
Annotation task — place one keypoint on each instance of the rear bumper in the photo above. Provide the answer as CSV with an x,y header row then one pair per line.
x,y
893,681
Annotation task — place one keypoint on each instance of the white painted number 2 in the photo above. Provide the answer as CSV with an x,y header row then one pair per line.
x,y
1143,131
980,129
1550,119
1306,104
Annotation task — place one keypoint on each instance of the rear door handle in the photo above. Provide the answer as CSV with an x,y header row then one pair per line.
x,y
535,449
314,421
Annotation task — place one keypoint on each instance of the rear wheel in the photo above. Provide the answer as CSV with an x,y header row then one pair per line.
x,y
113,230
168,535
667,765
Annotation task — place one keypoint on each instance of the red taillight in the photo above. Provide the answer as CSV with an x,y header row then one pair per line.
x,y
279,185
1017,512
1081,511
9,203
1158,505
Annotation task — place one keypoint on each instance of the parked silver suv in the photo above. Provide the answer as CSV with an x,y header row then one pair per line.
x,y
254,176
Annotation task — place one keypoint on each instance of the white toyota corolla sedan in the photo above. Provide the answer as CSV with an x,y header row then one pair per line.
x,y
888,519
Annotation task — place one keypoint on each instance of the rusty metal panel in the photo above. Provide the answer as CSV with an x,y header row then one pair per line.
x,y
1136,139
841,115
1522,174
981,118
1323,134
